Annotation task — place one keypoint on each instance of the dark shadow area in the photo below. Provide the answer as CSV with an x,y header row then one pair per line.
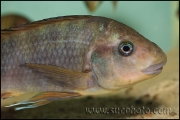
x,y
83,108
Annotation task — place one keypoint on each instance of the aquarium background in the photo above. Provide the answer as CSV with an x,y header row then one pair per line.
x,y
156,20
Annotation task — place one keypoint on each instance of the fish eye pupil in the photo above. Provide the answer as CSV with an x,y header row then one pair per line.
x,y
125,49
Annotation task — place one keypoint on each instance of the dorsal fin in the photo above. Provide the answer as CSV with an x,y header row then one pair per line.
x,y
39,23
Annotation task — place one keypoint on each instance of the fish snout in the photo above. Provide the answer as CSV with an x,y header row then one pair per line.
x,y
156,68
159,60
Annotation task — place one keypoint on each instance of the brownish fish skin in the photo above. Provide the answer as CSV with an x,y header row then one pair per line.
x,y
74,56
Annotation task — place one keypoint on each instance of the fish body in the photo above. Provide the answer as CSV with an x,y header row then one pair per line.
x,y
73,56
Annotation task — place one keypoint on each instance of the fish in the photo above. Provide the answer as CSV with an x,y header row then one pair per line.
x,y
11,20
114,4
93,5
74,56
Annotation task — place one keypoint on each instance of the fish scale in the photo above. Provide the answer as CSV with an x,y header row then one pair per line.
x,y
69,49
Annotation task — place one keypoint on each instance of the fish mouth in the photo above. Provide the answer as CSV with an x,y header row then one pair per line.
x,y
154,69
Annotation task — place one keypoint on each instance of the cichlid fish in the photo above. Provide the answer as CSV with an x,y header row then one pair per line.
x,y
93,5
73,56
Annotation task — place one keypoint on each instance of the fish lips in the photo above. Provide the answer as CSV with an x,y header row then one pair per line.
x,y
154,69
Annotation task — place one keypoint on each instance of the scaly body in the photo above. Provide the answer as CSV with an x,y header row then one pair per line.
x,y
56,45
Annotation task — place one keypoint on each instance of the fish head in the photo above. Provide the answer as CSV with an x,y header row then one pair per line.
x,y
126,58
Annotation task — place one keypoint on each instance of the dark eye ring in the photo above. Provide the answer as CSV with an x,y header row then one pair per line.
x,y
125,48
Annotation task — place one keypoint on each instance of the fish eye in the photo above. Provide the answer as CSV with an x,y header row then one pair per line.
x,y
125,48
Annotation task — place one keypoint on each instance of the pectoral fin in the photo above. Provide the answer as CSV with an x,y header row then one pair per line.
x,y
44,98
71,78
